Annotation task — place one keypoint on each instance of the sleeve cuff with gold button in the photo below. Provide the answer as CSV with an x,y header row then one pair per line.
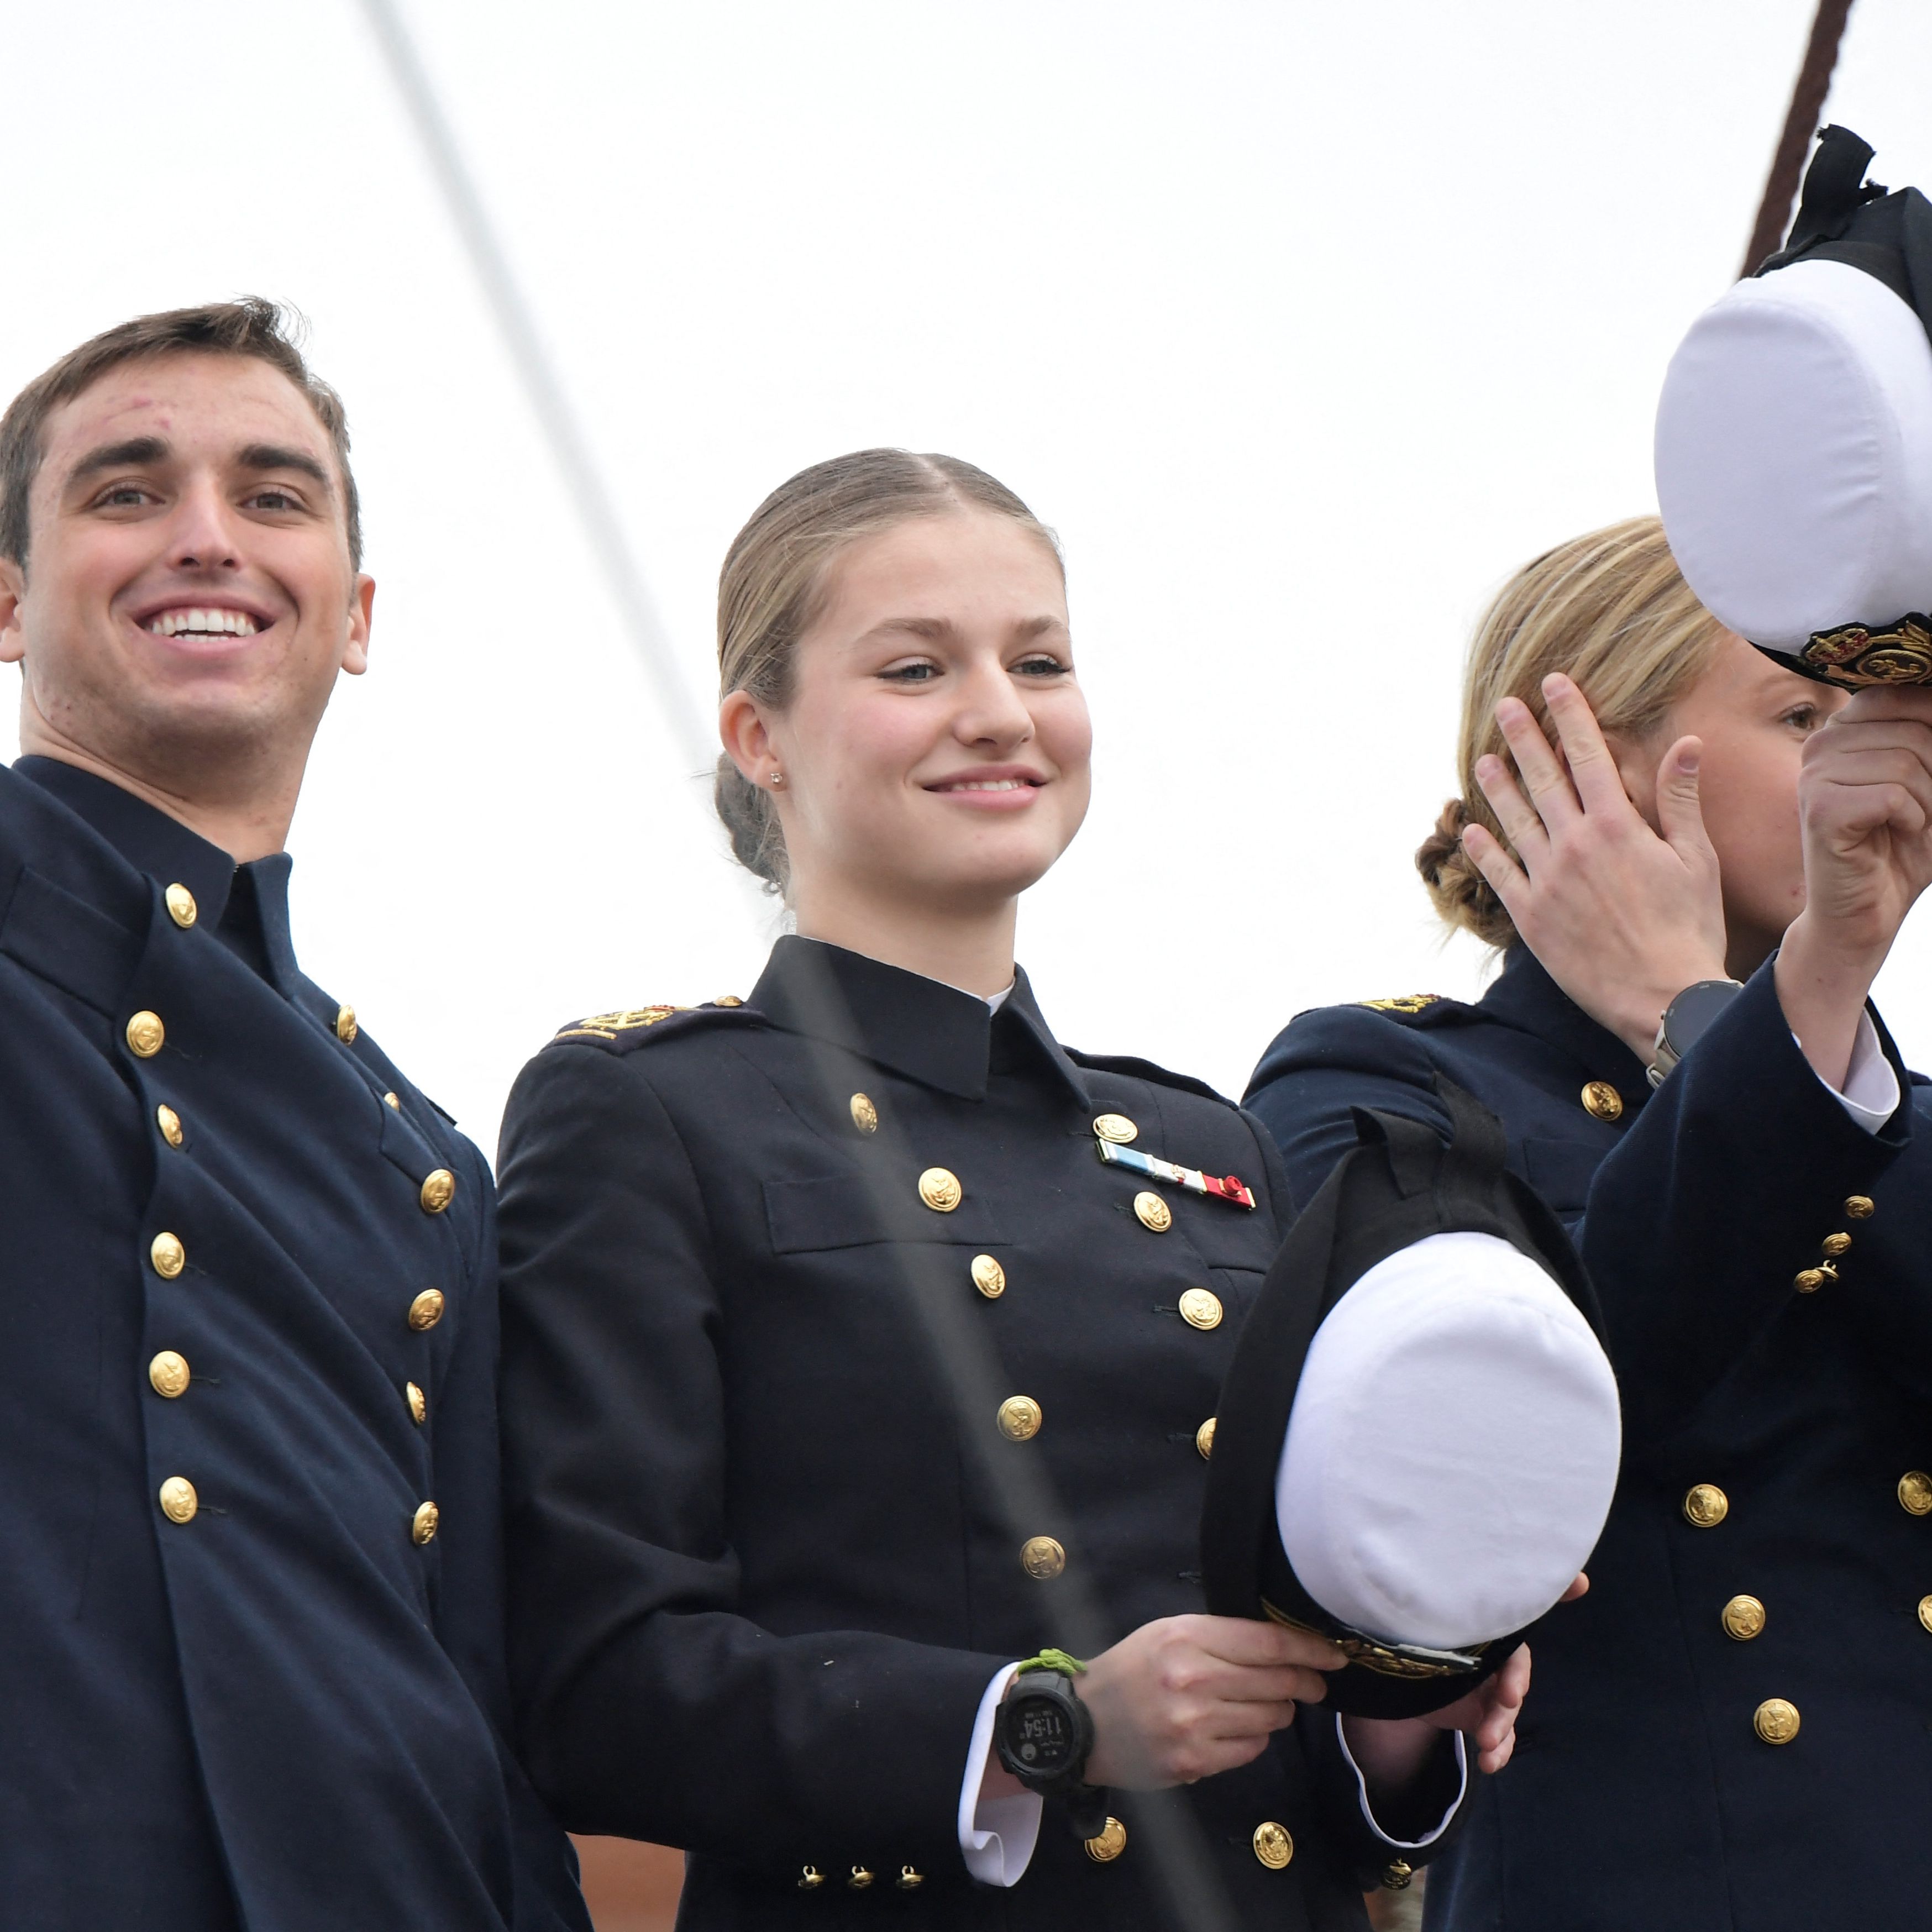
x,y
997,1835
1442,1824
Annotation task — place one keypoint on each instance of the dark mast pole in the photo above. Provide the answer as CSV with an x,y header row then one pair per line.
x,y
1808,102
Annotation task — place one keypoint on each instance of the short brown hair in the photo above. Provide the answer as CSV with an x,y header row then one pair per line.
x,y
249,326
772,586
1611,611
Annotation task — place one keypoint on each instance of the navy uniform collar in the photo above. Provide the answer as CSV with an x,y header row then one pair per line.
x,y
165,849
1526,997
930,1032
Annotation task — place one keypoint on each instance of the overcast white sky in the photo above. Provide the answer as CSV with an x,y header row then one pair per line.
x,y
1303,325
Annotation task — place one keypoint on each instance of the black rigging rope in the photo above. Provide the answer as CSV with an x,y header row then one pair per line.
x,y
1808,105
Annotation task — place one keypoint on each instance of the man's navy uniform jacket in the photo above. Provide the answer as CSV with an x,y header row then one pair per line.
x,y
1767,1290
250,1653
773,1273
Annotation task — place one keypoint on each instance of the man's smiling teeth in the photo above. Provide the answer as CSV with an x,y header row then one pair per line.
x,y
218,623
988,784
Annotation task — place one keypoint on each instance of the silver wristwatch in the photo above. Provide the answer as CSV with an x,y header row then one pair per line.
x,y
1685,1021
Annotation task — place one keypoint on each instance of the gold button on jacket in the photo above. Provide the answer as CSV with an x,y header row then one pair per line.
x,y
1115,1127
1858,1207
145,1034
423,1526
178,1499
1153,1212
1204,1438
181,906
1109,1845
939,1188
419,1402
864,1115
1043,1559
426,1311
1602,1101
168,1255
988,1277
1200,1308
1273,1845
167,1373
1776,1720
1705,1506
346,1028
169,1122
1914,1493
1019,1418
438,1190
1835,1245
1742,1618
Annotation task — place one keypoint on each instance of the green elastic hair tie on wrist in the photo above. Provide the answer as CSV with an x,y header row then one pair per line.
x,y
1054,1659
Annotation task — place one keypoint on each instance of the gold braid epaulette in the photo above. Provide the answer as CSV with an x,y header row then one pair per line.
x,y
608,1026
1404,1003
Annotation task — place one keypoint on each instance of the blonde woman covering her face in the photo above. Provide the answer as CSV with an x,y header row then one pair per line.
x,y
1719,1739
841,1374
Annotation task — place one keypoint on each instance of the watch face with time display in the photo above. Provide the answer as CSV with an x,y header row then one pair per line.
x,y
1039,1732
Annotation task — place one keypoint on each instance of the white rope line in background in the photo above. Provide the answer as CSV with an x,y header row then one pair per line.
x,y
589,495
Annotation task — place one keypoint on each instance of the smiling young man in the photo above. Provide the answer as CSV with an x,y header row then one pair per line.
x,y
252,1658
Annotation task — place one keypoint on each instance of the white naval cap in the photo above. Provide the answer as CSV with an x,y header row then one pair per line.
x,y
1794,437
1452,1450
1794,456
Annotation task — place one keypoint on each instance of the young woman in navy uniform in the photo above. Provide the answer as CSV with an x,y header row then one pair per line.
x,y
1661,1794
1601,635
856,1351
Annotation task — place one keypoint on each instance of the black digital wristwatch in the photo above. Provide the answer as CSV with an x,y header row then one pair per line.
x,y
1045,1736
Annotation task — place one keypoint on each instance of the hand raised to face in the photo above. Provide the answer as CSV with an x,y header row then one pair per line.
x,y
1865,806
1623,917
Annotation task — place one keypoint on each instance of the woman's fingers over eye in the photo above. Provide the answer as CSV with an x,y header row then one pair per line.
x,y
1514,813
1550,790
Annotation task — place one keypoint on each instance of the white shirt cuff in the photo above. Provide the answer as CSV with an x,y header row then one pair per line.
x,y
1362,1786
1870,1092
997,1835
